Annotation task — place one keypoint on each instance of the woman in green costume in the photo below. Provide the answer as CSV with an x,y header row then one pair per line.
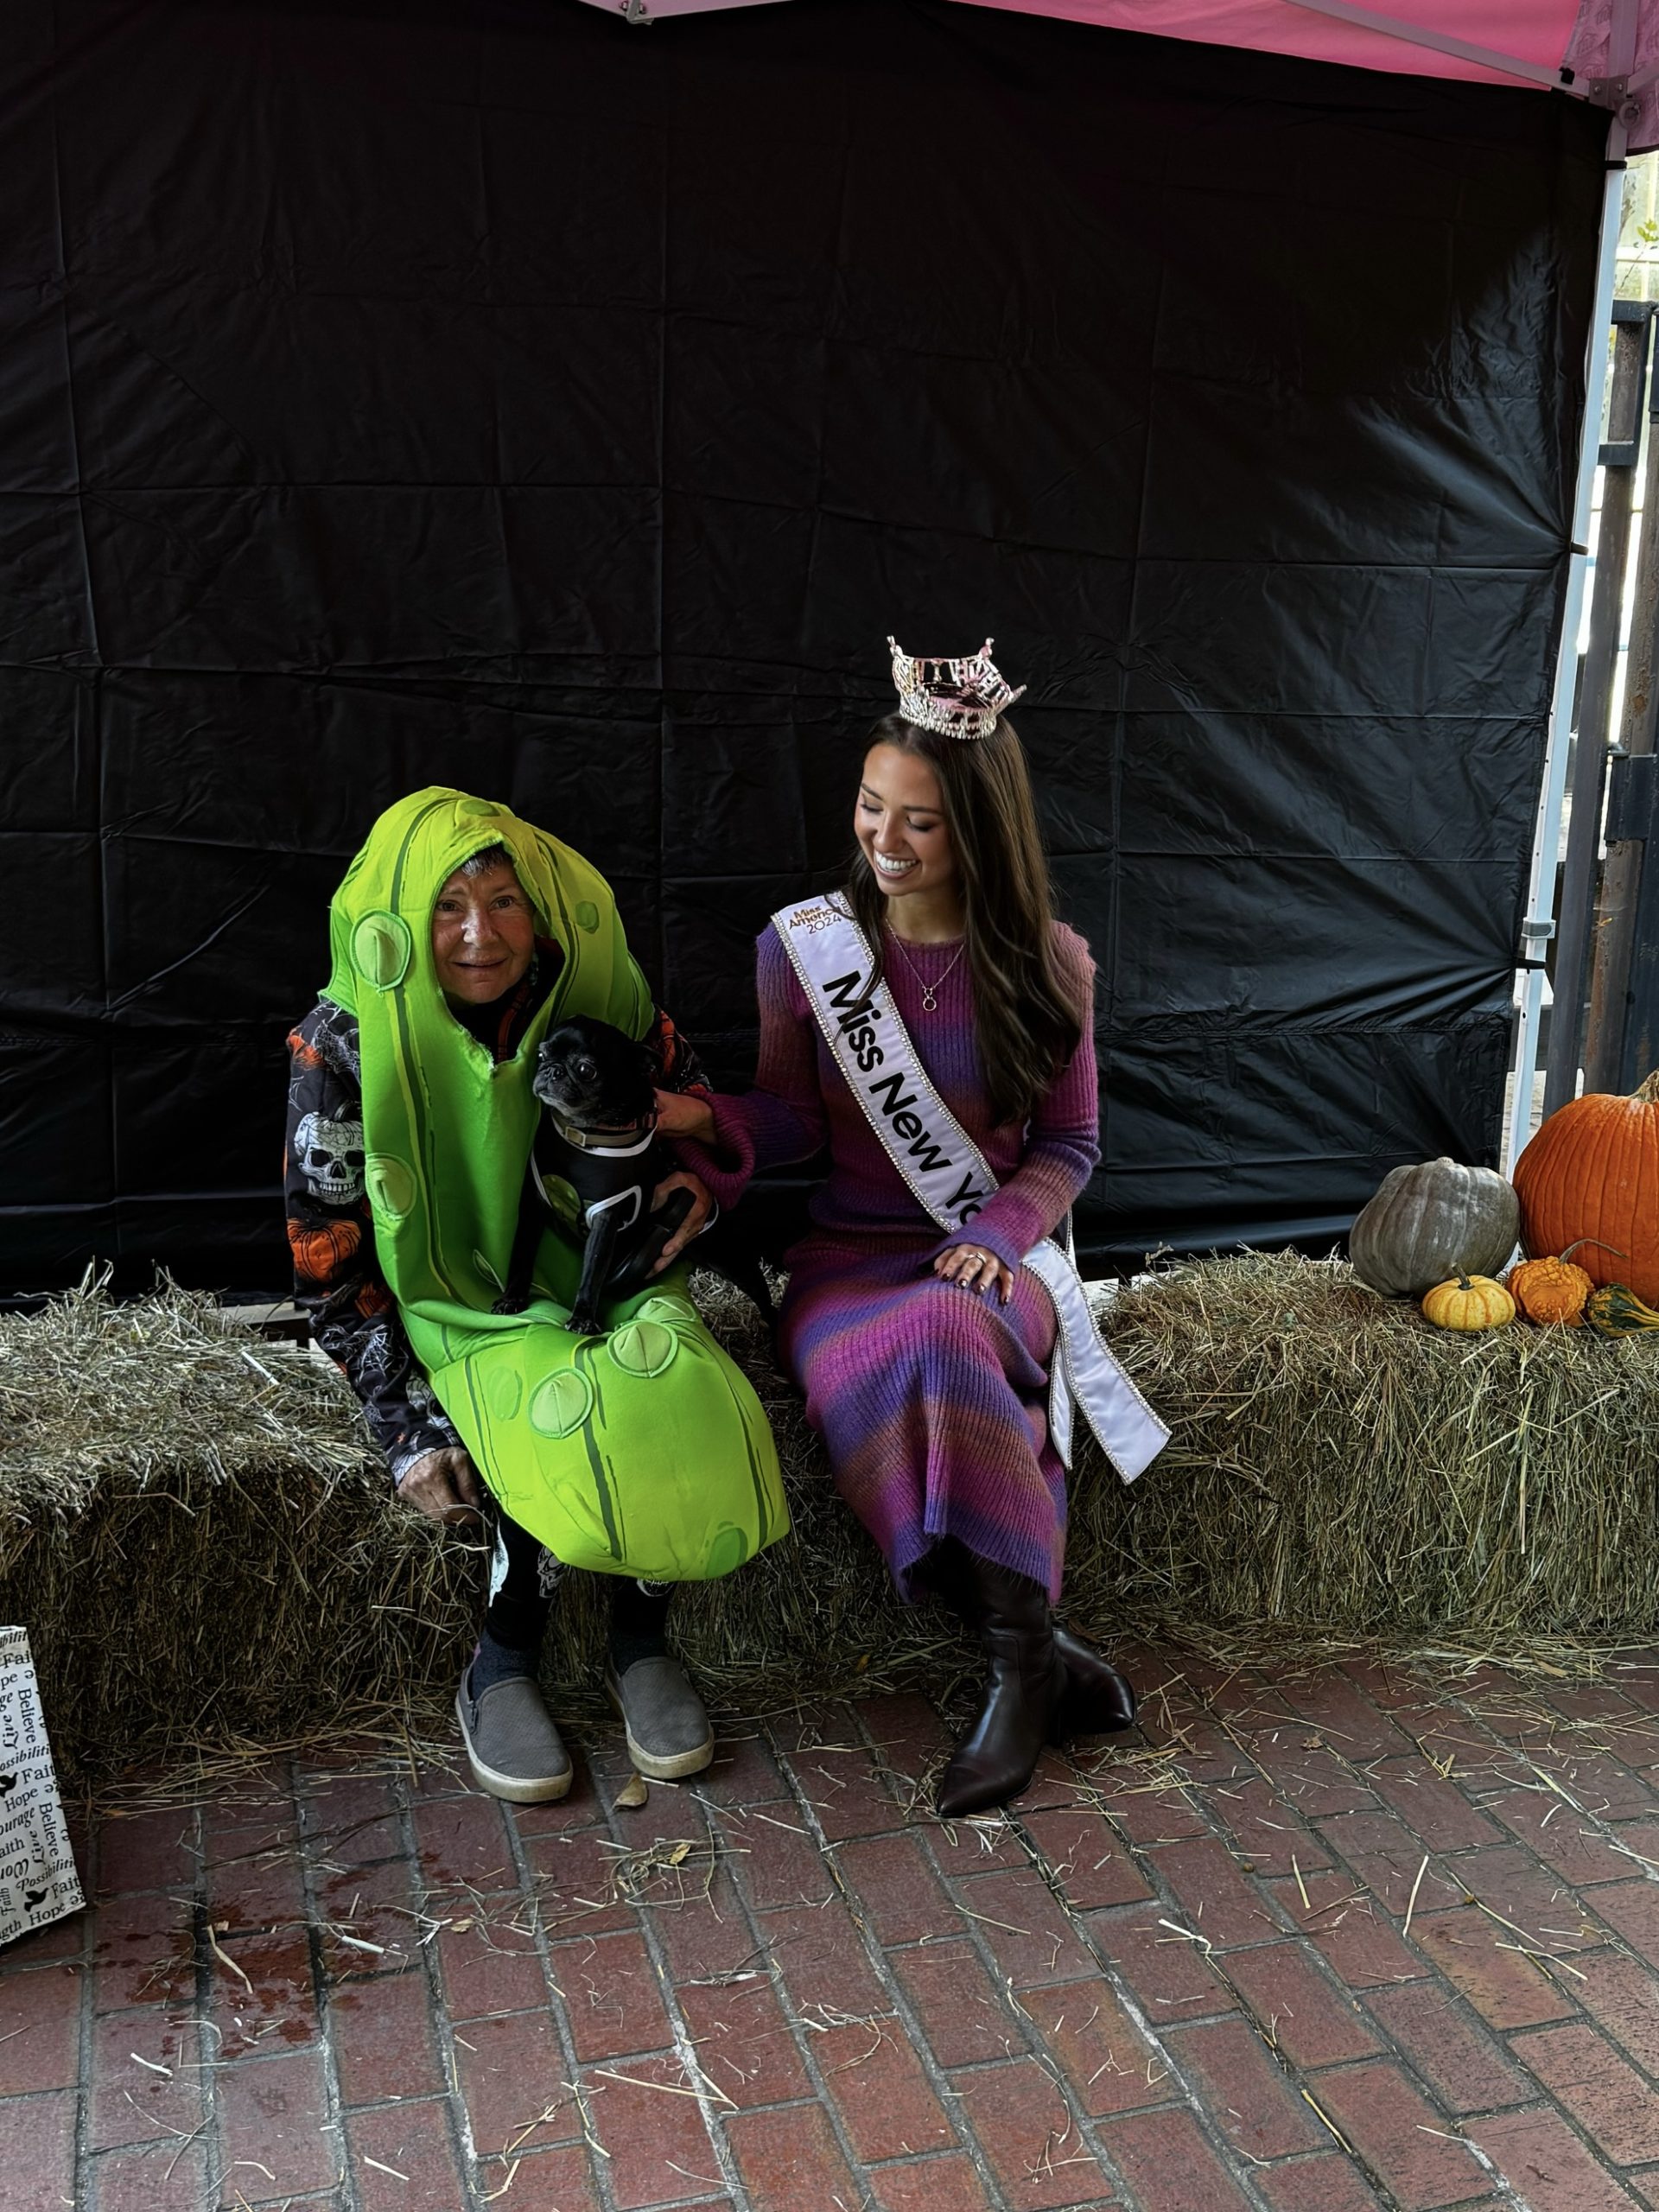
x,y
460,934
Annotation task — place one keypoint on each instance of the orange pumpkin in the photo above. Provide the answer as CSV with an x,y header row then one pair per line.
x,y
1552,1289
1592,1172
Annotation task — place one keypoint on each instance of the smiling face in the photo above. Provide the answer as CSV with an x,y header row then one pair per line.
x,y
899,819
483,935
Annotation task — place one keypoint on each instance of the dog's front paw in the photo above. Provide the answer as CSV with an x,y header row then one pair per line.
x,y
510,1302
583,1325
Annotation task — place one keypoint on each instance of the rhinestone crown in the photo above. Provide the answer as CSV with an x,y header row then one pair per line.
x,y
957,698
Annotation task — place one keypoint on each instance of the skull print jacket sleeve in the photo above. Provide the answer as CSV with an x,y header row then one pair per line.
x,y
337,1277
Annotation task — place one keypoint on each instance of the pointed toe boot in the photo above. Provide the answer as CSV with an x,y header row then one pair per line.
x,y
1098,1700
1026,1685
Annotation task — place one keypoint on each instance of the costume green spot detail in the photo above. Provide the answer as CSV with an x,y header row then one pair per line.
x,y
477,810
506,1393
642,1347
392,1185
562,1403
729,1550
381,946
586,915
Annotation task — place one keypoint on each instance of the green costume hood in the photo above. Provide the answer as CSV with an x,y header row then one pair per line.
x,y
449,1131
639,1452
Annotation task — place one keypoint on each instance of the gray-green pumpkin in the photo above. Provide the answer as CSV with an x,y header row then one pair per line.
x,y
1430,1221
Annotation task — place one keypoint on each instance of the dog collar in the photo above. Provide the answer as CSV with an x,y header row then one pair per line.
x,y
595,1141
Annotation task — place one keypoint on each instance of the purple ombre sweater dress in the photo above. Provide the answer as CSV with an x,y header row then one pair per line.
x,y
931,1398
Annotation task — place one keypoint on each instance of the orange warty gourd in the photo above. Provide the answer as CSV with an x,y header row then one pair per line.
x,y
1592,1171
1551,1289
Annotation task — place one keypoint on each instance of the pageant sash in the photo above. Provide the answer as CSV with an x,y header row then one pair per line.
x,y
950,1178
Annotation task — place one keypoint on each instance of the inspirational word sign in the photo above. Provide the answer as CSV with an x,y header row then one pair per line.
x,y
38,1881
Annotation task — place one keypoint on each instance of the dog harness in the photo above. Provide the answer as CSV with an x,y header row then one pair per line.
x,y
604,1175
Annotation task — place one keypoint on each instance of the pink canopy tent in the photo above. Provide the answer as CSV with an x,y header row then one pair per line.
x,y
1606,50
1603,52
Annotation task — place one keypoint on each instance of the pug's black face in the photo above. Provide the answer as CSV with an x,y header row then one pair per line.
x,y
594,1076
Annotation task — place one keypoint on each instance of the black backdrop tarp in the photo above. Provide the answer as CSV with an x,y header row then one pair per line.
x,y
500,396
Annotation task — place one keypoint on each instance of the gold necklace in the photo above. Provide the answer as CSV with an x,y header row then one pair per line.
x,y
930,991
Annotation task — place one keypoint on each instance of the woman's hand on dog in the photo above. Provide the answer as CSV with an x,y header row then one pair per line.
x,y
683,1114
444,1486
975,1269
701,1206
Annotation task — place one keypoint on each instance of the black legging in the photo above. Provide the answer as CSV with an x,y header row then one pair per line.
x,y
517,1613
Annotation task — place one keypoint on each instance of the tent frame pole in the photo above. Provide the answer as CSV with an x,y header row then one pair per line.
x,y
1539,926
1621,456
1488,57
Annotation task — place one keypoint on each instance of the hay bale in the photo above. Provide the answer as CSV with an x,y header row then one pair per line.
x,y
195,1532
200,1537
1339,1464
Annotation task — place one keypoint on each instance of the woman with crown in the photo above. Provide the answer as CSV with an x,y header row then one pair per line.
x,y
931,1025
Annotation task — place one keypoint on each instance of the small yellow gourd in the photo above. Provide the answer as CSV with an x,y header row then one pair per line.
x,y
1470,1302
1616,1311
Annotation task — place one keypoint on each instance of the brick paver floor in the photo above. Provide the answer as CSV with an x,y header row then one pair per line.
x,y
1320,1941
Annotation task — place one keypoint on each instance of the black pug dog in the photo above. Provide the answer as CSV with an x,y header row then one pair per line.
x,y
599,1134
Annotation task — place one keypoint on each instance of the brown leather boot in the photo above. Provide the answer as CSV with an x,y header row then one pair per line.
x,y
1027,1681
1098,1700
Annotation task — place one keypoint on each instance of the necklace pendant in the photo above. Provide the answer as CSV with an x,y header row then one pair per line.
x,y
930,991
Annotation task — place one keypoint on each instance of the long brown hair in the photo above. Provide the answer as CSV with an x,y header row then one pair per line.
x,y
1027,1026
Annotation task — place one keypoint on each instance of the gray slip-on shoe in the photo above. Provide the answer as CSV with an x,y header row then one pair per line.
x,y
513,1747
667,1729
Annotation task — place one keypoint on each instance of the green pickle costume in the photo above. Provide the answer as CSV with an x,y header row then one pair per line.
x,y
641,1451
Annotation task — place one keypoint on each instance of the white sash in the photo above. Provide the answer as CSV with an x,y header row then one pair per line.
x,y
943,1166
